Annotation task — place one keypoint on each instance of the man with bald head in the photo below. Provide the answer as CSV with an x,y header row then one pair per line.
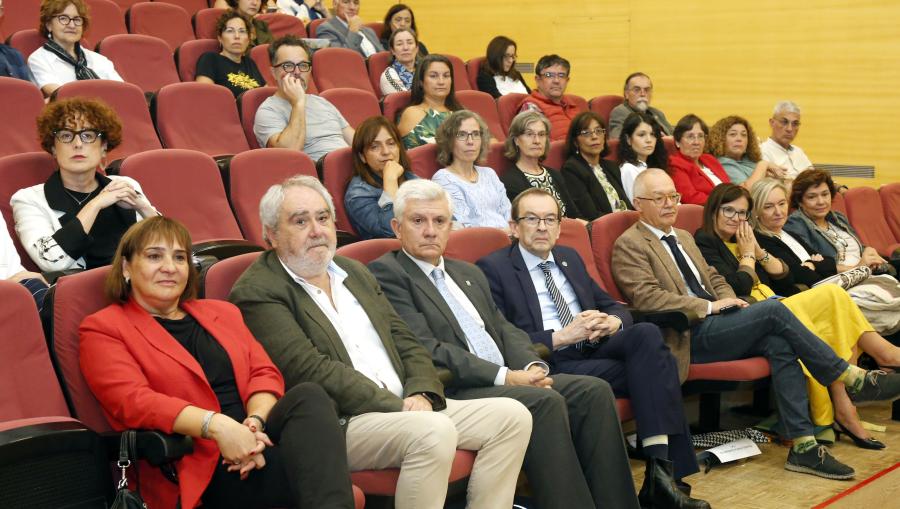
x,y
659,267
779,148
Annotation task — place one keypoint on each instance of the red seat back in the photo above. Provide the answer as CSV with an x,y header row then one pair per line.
x,y
222,275
170,23
189,53
612,152
355,105
260,56
20,15
21,103
252,173
199,116
366,251
473,66
190,6
19,171
424,160
483,104
604,104
557,155
337,170
26,41
394,104
198,199
580,103
376,64
30,387
866,214
311,28
340,68
495,159
472,244
283,24
248,103
129,102
106,20
376,26
460,75
690,217
124,5
604,232
205,23
890,203
575,235
669,142
839,204
508,106
143,60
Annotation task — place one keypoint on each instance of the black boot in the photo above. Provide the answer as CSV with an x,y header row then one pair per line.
x,y
660,490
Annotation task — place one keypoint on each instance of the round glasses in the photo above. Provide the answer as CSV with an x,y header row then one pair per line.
x,y
68,136
65,20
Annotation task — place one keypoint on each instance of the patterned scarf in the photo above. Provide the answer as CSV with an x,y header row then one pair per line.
x,y
406,76
82,71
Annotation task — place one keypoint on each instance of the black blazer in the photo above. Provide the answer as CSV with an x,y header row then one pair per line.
x,y
515,182
802,274
485,82
585,189
718,256
515,295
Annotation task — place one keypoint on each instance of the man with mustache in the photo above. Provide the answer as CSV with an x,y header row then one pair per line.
x,y
323,318
551,75
778,148
292,118
638,94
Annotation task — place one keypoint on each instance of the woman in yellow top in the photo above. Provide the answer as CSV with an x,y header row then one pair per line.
x,y
727,242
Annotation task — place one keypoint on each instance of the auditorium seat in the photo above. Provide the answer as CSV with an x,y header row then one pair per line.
x,y
669,142
252,173
376,26
604,232
128,101
690,217
311,27
366,251
21,102
106,20
472,244
612,152
124,5
460,75
604,104
248,103
170,23
495,159
838,203
27,41
866,214
23,16
205,22
222,275
507,107
355,105
199,116
189,53
556,156
190,6
473,66
340,68
143,60
19,171
393,105
376,64
890,202
424,160
574,234
581,105
260,56
337,170
483,104
283,24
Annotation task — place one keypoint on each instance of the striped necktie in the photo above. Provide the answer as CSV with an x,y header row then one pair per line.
x,y
562,309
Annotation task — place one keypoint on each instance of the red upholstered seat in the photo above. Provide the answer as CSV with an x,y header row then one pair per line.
x,y
866,214
283,24
27,40
170,23
557,155
612,153
495,159
311,28
376,26
604,232
580,103
376,64
623,408
690,217
340,68
604,104
355,105
359,498
18,172
252,173
191,6
460,75
106,20
424,160
20,15
124,5
248,103
890,203
472,68
199,116
366,251
483,104
189,53
128,101
472,244
575,235
205,22
21,102
143,60
508,106
337,170
393,105
222,275
670,144
839,204
742,370
260,56
384,482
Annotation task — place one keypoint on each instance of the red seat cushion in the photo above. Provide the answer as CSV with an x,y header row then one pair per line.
x,y
753,368
384,482
623,408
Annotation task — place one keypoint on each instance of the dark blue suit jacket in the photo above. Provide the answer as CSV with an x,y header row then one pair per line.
x,y
514,292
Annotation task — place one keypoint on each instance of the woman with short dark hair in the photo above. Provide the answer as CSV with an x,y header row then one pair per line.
x,y
640,147
231,67
259,33
400,16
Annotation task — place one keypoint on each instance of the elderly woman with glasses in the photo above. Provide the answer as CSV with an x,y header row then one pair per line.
x,y
62,59
695,172
527,146
75,219
728,244
231,68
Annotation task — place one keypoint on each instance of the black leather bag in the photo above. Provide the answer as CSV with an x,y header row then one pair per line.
x,y
125,498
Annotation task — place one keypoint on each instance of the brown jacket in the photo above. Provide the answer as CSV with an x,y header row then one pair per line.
x,y
648,277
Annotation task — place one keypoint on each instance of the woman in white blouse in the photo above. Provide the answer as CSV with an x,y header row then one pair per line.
x,y
498,75
640,147
404,46
62,59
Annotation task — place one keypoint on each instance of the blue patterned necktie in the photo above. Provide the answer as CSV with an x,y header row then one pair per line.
x,y
562,309
483,344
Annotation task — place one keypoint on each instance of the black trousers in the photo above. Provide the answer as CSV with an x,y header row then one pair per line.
x,y
307,468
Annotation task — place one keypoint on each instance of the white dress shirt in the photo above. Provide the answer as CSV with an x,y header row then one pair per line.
x,y
629,173
352,323
549,313
793,159
659,234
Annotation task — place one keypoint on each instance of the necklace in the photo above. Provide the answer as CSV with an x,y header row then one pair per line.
x,y
76,200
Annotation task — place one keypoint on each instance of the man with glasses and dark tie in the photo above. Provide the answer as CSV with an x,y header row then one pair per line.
x,y
778,148
545,290
551,75
659,267
576,457
292,118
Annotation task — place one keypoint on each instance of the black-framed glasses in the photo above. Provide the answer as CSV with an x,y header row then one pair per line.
x,y
659,201
68,136
730,212
534,221
598,131
289,67
64,20
465,136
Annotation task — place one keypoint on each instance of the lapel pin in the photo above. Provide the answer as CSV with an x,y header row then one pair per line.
x,y
468,283
565,264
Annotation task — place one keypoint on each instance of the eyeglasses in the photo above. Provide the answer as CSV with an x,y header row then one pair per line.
x,y
638,90
466,136
730,212
785,122
65,20
659,201
534,221
551,75
695,137
535,135
68,135
510,57
289,67
232,31
597,131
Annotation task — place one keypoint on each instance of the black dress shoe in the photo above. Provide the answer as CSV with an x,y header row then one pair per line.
x,y
660,490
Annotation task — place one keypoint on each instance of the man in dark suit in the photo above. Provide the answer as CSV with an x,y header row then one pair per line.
x,y
323,319
346,30
576,457
545,290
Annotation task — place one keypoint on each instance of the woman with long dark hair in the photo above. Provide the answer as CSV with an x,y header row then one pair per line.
x,y
432,98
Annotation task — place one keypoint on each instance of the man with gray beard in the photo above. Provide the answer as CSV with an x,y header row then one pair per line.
x,y
638,94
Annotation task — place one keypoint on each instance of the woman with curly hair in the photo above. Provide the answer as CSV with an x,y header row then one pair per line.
x,y
231,67
75,219
735,145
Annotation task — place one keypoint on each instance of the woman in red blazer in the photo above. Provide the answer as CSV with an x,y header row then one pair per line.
x,y
695,173
157,358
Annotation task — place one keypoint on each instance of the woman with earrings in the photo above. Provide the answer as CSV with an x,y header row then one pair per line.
x,y
640,147
62,59
74,220
432,98
231,68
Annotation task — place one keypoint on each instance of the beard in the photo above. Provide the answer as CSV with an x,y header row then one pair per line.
x,y
642,105
311,264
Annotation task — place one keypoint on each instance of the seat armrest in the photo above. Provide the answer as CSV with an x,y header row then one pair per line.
x,y
156,447
222,249
678,319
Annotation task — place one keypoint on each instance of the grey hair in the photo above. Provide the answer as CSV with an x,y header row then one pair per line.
x,y
759,193
419,189
640,181
517,128
271,202
786,107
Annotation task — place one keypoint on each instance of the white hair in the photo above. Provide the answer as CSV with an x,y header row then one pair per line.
x,y
419,189
786,107
640,182
270,204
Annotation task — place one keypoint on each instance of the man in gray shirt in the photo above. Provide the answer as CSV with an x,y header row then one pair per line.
x,y
638,94
293,119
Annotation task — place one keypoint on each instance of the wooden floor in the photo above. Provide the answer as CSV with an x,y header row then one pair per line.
x,y
762,482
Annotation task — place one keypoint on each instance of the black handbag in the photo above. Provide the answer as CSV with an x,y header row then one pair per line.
x,y
125,498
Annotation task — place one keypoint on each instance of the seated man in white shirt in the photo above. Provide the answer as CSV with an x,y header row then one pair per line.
x,y
346,30
778,148
323,318
293,119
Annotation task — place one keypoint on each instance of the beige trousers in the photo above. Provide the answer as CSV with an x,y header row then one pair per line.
x,y
423,445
